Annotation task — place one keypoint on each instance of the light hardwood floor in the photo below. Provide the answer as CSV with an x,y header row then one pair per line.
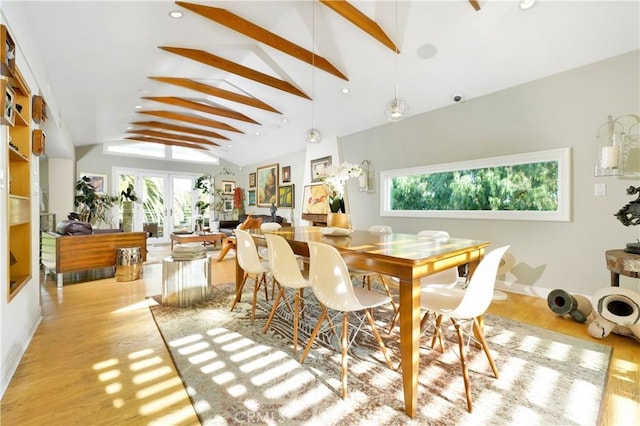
x,y
98,359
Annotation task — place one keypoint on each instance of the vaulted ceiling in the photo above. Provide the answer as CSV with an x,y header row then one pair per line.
x,y
247,79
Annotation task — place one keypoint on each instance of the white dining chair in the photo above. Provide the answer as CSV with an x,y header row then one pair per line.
x,y
465,307
249,261
331,284
286,272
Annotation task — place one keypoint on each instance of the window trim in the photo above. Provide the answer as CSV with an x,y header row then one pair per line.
x,y
562,214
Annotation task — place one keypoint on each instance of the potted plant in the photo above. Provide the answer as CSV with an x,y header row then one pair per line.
x,y
202,207
91,206
127,197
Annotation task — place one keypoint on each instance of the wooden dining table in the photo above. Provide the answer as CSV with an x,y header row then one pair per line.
x,y
405,256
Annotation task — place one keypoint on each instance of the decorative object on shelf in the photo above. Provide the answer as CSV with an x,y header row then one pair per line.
x,y
286,196
618,147
363,179
396,109
335,177
313,135
267,192
629,215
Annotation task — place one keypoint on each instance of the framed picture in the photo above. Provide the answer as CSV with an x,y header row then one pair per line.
x,y
252,196
267,185
315,199
98,181
286,196
319,164
252,180
228,204
286,174
228,186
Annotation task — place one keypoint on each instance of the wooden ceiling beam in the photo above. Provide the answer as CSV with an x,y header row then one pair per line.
x,y
217,92
241,25
199,106
164,142
237,69
194,119
164,135
182,129
475,4
360,20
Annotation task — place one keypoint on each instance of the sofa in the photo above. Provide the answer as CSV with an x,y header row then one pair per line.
x,y
76,247
227,226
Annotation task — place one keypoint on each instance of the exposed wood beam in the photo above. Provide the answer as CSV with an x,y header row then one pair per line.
x,y
164,142
164,135
199,106
217,92
183,129
192,119
475,4
237,69
360,20
241,25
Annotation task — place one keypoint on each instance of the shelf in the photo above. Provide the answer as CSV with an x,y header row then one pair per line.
x,y
8,102
15,155
7,51
39,142
38,109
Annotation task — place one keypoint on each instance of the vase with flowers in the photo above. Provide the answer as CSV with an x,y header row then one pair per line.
x,y
335,178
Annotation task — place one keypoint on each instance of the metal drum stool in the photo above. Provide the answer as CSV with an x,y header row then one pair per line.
x,y
128,263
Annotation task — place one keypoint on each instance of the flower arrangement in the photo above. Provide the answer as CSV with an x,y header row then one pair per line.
x,y
238,198
335,177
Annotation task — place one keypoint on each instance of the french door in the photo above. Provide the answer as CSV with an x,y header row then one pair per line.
x,y
166,202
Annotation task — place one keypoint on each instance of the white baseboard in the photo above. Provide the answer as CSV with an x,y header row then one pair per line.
x,y
14,357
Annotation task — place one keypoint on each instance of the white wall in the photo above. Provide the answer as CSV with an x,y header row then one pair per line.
x,y
564,110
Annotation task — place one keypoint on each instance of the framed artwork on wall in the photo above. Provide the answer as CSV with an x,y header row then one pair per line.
x,y
286,196
286,174
267,185
228,204
99,181
228,186
252,180
319,164
251,197
315,199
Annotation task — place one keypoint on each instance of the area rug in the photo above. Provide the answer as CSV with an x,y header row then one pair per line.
x,y
236,374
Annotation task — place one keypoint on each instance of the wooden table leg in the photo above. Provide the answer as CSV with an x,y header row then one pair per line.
x,y
615,279
410,343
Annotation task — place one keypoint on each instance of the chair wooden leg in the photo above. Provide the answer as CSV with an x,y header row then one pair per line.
x,y
383,348
239,292
295,321
343,344
259,281
480,336
463,363
437,334
273,309
312,338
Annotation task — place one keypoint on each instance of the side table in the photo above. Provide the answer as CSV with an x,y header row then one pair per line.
x,y
620,262
185,282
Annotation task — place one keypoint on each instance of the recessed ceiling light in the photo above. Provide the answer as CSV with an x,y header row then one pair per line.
x,y
138,106
345,90
284,120
257,133
527,4
176,14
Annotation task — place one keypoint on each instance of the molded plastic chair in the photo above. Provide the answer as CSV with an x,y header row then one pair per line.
x,y
286,272
248,259
331,284
462,306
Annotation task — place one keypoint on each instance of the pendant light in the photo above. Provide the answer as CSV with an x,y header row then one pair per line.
x,y
396,109
313,135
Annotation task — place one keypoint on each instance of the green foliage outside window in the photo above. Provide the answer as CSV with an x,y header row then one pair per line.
x,y
523,187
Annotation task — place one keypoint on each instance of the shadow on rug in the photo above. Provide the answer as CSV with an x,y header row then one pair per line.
x,y
235,373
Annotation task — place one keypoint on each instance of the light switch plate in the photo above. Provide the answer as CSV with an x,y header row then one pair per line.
x,y
600,189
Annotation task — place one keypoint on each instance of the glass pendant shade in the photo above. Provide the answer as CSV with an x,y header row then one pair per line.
x,y
396,110
313,136
609,149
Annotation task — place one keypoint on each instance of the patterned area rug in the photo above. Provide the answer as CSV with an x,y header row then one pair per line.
x,y
236,374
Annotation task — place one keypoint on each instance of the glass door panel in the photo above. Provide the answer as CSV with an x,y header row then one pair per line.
x,y
182,209
154,207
